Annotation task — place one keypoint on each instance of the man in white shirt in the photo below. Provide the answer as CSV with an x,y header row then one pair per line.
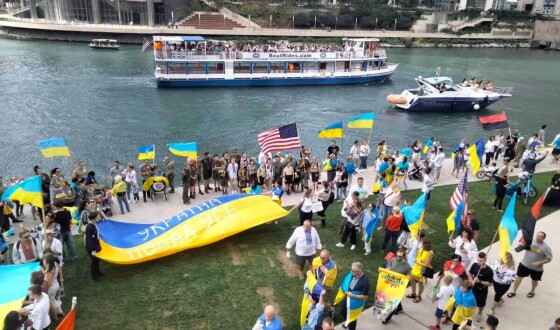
x,y
355,153
307,242
437,162
38,311
232,173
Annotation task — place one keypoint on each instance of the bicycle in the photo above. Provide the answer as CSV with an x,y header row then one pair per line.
x,y
526,188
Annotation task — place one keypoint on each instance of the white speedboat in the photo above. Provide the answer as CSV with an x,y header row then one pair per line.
x,y
440,94
104,44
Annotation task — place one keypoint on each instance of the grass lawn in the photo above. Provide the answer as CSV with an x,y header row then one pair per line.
x,y
226,284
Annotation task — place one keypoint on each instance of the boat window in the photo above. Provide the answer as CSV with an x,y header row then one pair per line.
x,y
294,67
197,68
277,67
260,67
215,67
177,68
323,66
241,67
309,67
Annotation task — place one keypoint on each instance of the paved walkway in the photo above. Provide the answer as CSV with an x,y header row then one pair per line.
x,y
159,209
519,312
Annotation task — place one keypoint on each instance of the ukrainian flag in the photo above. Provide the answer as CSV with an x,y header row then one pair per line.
x,y
28,191
14,281
333,131
343,288
54,147
427,145
354,308
310,289
369,224
476,151
414,215
146,152
187,149
465,306
454,219
508,228
362,121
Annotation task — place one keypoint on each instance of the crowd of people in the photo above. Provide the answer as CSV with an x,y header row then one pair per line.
x,y
466,274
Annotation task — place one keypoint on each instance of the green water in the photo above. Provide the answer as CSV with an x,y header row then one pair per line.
x,y
106,104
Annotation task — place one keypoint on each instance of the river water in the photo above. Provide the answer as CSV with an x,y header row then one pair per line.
x,y
106,104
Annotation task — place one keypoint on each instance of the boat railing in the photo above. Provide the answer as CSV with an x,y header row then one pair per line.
x,y
502,90
232,55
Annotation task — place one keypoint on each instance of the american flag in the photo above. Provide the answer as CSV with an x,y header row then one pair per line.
x,y
460,194
145,45
281,138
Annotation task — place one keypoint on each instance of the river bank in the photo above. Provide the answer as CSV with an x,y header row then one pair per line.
x,y
389,42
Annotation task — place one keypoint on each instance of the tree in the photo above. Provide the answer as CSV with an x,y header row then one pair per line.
x,y
302,20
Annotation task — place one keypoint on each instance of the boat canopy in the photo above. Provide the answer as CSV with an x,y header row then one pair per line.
x,y
179,39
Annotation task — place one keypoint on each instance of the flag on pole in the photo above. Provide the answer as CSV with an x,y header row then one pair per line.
x,y
475,155
281,138
362,121
188,149
454,219
460,197
528,228
333,131
54,147
68,321
28,191
508,229
145,45
146,152
414,215
493,122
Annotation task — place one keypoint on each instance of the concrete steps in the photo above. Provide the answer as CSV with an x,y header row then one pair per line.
x,y
210,21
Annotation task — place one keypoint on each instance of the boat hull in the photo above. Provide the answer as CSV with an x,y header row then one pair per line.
x,y
104,48
275,81
454,104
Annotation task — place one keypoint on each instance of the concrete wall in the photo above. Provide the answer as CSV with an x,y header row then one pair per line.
x,y
547,32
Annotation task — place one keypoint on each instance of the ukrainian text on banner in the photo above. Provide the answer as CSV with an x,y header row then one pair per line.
x,y
391,287
205,223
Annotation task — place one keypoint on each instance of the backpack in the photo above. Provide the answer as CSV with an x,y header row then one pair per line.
x,y
28,249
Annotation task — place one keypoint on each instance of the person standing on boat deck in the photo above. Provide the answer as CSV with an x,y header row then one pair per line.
x,y
170,173
332,149
355,153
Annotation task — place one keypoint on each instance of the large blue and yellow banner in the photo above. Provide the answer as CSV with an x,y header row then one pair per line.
x,y
203,224
390,290
14,281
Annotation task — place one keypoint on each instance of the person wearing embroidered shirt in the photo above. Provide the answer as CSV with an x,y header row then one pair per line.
x,y
504,275
119,190
465,246
27,249
38,311
324,269
307,242
268,320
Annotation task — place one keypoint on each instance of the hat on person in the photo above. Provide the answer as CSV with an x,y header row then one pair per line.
x,y
389,256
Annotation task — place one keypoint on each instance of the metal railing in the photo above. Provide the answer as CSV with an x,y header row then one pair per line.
x,y
239,55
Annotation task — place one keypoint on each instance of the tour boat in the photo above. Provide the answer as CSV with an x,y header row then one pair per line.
x,y
182,61
440,94
104,44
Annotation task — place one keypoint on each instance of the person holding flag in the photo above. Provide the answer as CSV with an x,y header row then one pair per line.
x,y
504,275
353,292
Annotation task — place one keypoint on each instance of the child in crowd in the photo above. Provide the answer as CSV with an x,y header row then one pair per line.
x,y
445,292
135,195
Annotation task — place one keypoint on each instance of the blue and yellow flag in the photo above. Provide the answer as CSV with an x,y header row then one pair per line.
x,y
369,224
414,215
454,219
14,281
343,288
311,289
203,224
146,152
354,308
362,121
465,306
333,131
187,149
54,147
427,145
476,151
508,228
28,191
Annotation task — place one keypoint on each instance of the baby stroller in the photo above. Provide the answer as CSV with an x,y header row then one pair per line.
x,y
105,206
416,173
157,184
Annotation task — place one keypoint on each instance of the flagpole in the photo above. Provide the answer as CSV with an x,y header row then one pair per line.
x,y
299,136
154,159
489,248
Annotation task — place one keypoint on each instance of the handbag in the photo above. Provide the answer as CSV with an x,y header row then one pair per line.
x,y
428,272
352,212
432,294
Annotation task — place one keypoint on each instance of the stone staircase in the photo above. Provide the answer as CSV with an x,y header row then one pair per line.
x,y
210,20
471,23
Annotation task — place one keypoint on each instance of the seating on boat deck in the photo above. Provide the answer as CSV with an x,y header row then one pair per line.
x,y
210,21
